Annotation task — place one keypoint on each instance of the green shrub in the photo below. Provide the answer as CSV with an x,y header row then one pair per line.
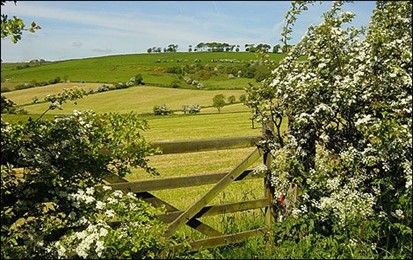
x,y
342,172
54,209
195,109
175,84
174,70
102,88
162,110
137,80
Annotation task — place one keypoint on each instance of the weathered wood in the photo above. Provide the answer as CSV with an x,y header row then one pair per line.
x,y
220,186
178,182
267,132
269,215
219,209
200,209
113,178
207,145
223,240
193,223
269,193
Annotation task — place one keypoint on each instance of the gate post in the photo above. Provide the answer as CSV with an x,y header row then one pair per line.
x,y
267,131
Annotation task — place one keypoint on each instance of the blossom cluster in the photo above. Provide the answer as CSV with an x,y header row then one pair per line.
x,y
94,213
348,106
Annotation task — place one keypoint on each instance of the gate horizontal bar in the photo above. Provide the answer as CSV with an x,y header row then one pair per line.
x,y
224,240
178,182
207,145
220,209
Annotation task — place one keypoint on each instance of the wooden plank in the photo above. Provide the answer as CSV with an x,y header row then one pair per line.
x,y
178,182
223,240
207,145
220,186
219,209
194,223
113,178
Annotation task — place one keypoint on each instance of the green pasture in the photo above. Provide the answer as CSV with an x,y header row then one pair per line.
x,y
120,68
233,121
140,99
25,96
202,126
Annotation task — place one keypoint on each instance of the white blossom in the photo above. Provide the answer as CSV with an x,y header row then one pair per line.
x,y
110,213
398,213
100,205
118,193
106,188
103,232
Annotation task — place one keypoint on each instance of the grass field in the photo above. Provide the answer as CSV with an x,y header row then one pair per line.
x,y
120,68
140,99
233,121
25,96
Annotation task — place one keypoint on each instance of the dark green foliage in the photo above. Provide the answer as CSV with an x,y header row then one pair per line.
x,y
218,102
162,110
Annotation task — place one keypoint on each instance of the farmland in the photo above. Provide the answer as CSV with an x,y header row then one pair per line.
x,y
157,69
234,120
329,175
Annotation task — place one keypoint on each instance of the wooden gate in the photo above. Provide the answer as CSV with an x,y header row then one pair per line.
x,y
201,208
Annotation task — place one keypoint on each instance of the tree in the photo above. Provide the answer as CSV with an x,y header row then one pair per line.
x,y
137,80
162,110
249,47
231,99
276,48
15,26
171,48
7,105
200,46
218,102
263,47
344,163
286,48
242,98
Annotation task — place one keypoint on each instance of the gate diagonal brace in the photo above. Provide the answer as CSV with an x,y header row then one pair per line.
x,y
193,223
220,186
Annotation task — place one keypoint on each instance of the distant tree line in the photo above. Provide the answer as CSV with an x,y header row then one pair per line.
x,y
32,63
170,48
223,47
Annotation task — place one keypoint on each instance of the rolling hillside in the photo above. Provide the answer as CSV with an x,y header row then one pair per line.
x,y
140,99
234,120
160,69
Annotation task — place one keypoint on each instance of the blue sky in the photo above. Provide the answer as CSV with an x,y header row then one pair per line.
x,y
80,29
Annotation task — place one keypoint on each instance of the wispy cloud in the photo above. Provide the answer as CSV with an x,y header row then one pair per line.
x,y
77,44
105,51
82,28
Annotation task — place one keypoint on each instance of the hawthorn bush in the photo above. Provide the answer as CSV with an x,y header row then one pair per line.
x,y
162,110
344,166
49,171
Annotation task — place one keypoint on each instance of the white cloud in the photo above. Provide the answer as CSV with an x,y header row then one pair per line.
x,y
126,27
105,51
77,44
